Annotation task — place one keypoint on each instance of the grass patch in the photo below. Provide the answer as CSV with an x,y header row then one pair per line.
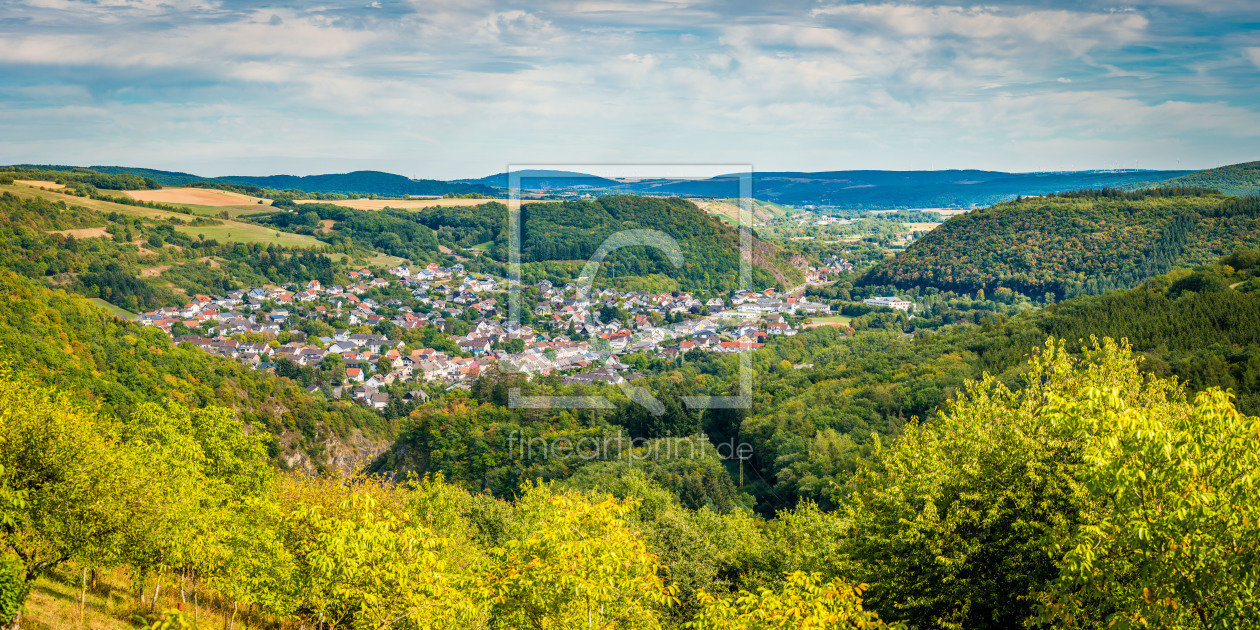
x,y
115,600
831,320
214,211
381,260
116,311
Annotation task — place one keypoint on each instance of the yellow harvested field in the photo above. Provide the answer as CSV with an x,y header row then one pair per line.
x,y
38,184
380,204
82,232
833,320
195,196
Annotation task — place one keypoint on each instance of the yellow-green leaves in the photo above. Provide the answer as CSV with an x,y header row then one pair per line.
x,y
805,602
1176,542
581,567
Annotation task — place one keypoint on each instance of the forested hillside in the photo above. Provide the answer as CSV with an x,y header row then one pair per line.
x,y
1067,500
140,262
558,237
572,230
1236,179
1075,243
66,342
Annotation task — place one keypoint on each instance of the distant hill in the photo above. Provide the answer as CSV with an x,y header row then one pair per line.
x,y
535,179
933,189
863,189
165,178
573,230
855,190
358,183
1235,179
1075,243
355,183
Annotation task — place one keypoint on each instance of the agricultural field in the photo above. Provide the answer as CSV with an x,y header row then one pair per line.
x,y
384,260
228,231
195,196
204,201
38,184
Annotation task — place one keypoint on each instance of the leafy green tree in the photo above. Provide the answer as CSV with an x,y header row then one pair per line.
x,y
581,567
805,602
950,525
1176,542
71,493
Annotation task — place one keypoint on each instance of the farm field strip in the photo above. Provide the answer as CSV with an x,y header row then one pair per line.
x,y
228,231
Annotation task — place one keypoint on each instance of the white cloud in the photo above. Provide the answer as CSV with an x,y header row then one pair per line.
x,y
1071,28
459,88
1254,54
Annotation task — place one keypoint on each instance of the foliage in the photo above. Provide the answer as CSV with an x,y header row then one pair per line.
x,y
1235,179
805,603
13,591
1092,496
1074,243
78,494
582,567
1177,542
67,342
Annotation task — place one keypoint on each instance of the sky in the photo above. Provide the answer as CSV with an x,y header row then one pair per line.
x,y
465,88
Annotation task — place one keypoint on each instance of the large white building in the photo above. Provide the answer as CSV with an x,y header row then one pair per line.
x,y
891,302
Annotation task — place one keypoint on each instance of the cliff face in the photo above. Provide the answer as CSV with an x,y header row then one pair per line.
x,y
329,452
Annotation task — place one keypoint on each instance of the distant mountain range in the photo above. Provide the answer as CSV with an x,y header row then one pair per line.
x,y
356,183
859,190
869,190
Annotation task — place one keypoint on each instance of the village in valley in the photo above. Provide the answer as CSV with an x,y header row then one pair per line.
x,y
442,326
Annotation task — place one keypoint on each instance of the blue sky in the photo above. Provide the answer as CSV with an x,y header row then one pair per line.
x,y
463,88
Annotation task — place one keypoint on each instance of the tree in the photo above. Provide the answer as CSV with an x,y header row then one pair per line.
x,y
363,562
581,567
1177,542
950,525
67,490
805,602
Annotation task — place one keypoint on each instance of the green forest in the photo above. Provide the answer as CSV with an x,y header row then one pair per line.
x,y
1235,179
1070,244
1092,494
556,238
65,342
